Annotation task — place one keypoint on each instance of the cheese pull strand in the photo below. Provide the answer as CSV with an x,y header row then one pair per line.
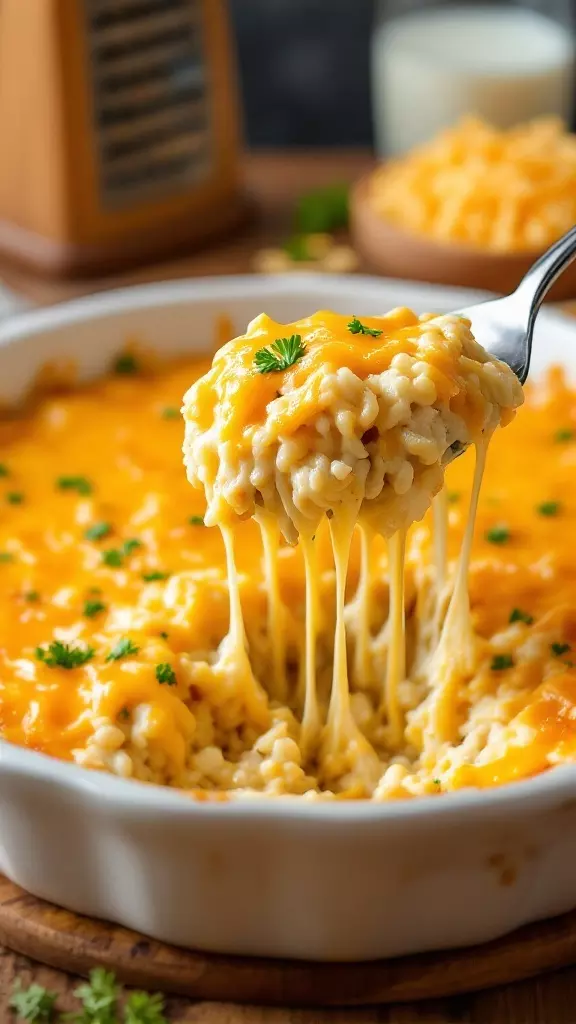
x,y
396,661
270,533
455,655
340,725
359,613
310,734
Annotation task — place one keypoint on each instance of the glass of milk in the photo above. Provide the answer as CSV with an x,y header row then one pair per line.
x,y
433,63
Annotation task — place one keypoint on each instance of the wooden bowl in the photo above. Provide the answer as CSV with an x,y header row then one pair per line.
x,y
393,252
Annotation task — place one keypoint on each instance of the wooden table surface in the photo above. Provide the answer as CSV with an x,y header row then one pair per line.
x,y
275,180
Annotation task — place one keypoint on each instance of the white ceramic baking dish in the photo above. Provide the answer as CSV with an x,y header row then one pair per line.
x,y
281,877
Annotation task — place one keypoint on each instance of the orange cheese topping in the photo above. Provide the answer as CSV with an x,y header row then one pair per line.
x,y
118,444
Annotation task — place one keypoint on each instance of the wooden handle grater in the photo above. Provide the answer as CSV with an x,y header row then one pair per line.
x,y
119,131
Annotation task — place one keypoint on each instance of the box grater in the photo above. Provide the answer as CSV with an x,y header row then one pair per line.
x,y
119,131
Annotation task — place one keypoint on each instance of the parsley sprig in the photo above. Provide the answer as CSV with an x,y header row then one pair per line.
x,y
518,615
99,998
114,557
499,534
500,662
98,531
355,327
80,484
59,655
280,355
33,1004
122,649
166,674
93,608
548,508
196,520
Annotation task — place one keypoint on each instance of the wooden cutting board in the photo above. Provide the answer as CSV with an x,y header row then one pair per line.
x,y
76,944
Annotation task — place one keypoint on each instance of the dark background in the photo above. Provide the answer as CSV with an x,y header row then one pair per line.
x,y
305,73
305,66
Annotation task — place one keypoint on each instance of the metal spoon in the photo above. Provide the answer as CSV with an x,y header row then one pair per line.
x,y
505,327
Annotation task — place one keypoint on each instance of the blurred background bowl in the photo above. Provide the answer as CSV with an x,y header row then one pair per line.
x,y
389,250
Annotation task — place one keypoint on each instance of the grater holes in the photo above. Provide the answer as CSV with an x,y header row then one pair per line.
x,y
141,9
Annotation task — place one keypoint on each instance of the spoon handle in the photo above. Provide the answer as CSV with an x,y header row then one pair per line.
x,y
542,274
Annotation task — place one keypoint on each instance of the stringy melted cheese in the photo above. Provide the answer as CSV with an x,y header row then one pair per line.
x,y
289,670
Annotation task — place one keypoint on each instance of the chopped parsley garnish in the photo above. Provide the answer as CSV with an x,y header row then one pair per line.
x,y
559,649
355,327
297,249
31,595
453,497
164,634
196,520
518,615
165,674
549,508
113,558
99,998
4,471
171,412
564,434
498,534
6,556
34,1004
15,497
280,355
436,782
93,608
98,531
126,364
130,545
124,714
59,655
122,649
501,662
142,1008
74,483
322,210
156,574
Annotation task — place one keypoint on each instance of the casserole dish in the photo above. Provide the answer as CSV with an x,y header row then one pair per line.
x,y
274,877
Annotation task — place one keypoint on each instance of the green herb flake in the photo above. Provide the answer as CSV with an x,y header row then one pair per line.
x,y
563,435
501,661
15,498
171,412
518,615
98,531
59,655
113,558
131,545
124,715
559,649
74,483
498,534
280,355
4,471
297,249
355,327
6,556
196,520
99,998
142,1008
436,782
34,1004
453,497
93,608
126,364
31,595
156,574
165,674
549,508
163,634
122,649
322,210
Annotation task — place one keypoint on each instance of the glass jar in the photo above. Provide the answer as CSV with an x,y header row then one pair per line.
x,y
436,62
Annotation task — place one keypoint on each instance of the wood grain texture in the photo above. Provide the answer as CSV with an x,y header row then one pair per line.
x,y
75,944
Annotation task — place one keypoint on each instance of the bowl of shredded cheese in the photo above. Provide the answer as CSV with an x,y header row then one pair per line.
x,y
475,206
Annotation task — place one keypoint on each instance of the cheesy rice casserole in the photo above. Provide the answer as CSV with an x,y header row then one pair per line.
x,y
320,642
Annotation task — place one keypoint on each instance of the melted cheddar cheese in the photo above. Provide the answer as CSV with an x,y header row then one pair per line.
x,y
103,550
